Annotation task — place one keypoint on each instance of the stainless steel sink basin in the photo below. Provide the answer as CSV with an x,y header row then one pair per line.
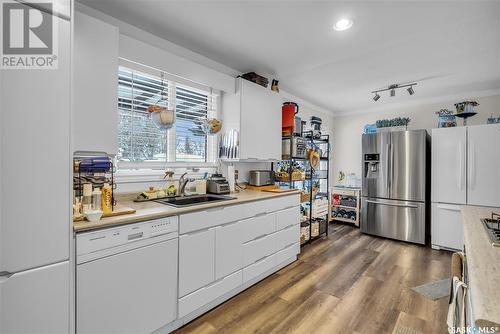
x,y
180,202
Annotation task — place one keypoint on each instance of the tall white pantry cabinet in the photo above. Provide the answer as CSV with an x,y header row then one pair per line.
x,y
465,171
35,201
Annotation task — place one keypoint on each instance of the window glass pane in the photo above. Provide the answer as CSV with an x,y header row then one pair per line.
x,y
191,112
139,141
138,138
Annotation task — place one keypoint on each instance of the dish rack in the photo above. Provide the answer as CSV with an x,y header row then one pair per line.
x,y
96,168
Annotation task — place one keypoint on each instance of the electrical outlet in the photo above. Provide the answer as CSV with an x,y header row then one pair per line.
x,y
235,174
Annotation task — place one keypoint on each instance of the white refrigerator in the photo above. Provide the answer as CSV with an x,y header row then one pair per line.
x,y
35,188
465,171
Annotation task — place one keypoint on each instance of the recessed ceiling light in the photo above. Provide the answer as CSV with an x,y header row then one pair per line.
x,y
342,24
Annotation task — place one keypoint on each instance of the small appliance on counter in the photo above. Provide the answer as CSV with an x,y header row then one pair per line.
x,y
217,184
298,148
261,178
316,127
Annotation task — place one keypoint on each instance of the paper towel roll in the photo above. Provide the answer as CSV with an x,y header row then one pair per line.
x,y
230,178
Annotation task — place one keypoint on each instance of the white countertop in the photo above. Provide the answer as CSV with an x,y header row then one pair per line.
x,y
152,210
483,263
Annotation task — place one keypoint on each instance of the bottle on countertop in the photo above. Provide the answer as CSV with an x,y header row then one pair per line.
x,y
87,197
107,199
96,200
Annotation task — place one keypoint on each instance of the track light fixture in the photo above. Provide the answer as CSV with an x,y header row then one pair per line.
x,y
392,90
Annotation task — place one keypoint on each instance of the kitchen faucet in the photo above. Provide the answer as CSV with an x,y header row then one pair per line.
x,y
182,183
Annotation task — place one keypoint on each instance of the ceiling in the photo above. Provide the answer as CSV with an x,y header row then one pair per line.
x,y
451,48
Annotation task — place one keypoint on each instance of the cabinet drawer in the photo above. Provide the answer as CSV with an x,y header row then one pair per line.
x,y
288,217
287,237
196,260
256,227
271,205
259,248
208,218
209,293
283,202
287,253
259,267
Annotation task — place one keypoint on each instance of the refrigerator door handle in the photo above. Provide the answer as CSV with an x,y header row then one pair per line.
x,y
460,171
388,170
463,165
472,164
393,204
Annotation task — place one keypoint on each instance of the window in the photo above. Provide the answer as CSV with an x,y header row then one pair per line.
x,y
140,143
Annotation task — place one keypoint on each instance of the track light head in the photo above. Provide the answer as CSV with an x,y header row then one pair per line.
x,y
393,92
376,97
410,90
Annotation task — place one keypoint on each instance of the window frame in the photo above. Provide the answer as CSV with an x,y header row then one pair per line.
x,y
128,167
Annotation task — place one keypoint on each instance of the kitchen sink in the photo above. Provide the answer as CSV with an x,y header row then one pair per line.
x,y
180,202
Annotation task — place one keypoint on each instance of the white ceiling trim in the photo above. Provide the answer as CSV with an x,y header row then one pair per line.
x,y
422,101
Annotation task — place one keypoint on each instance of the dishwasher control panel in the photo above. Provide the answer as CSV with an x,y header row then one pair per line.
x,y
90,242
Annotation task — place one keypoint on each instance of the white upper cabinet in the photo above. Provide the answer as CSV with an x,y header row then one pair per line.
x,y
95,85
255,112
449,165
483,165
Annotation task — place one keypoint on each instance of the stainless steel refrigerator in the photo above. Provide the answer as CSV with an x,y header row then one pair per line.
x,y
394,185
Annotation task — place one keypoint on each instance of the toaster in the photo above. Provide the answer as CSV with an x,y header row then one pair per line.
x,y
217,184
261,177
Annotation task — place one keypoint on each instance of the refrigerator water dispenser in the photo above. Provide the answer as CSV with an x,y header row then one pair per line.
x,y
371,166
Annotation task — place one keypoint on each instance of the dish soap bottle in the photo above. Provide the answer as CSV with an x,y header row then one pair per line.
x,y
107,199
170,188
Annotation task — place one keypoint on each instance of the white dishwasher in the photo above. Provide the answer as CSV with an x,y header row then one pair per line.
x,y
126,278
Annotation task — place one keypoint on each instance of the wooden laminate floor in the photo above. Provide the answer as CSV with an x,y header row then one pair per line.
x,y
347,283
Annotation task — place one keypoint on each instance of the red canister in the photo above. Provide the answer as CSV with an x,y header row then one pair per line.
x,y
288,111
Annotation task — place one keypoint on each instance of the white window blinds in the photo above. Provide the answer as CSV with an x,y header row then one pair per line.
x,y
140,142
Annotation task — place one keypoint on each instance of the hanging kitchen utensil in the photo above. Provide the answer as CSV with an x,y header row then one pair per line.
x,y
161,117
212,126
314,158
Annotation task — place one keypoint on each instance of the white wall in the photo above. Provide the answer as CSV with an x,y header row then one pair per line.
x,y
347,130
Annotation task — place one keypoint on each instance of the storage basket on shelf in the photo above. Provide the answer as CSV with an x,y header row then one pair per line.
x,y
304,232
318,227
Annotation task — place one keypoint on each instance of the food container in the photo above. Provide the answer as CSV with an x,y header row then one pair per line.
x,y
93,215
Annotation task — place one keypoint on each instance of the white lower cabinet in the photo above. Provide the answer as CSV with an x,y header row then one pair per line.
x,y
287,237
287,217
235,248
287,253
36,300
257,249
196,260
259,268
228,249
447,230
256,227
197,299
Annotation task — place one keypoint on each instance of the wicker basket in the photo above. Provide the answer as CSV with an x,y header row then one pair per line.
x,y
304,232
285,176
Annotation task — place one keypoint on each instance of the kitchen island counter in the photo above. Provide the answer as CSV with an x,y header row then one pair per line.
x,y
483,264
153,210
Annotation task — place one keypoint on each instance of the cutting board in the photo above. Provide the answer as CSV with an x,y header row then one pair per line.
x,y
119,210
